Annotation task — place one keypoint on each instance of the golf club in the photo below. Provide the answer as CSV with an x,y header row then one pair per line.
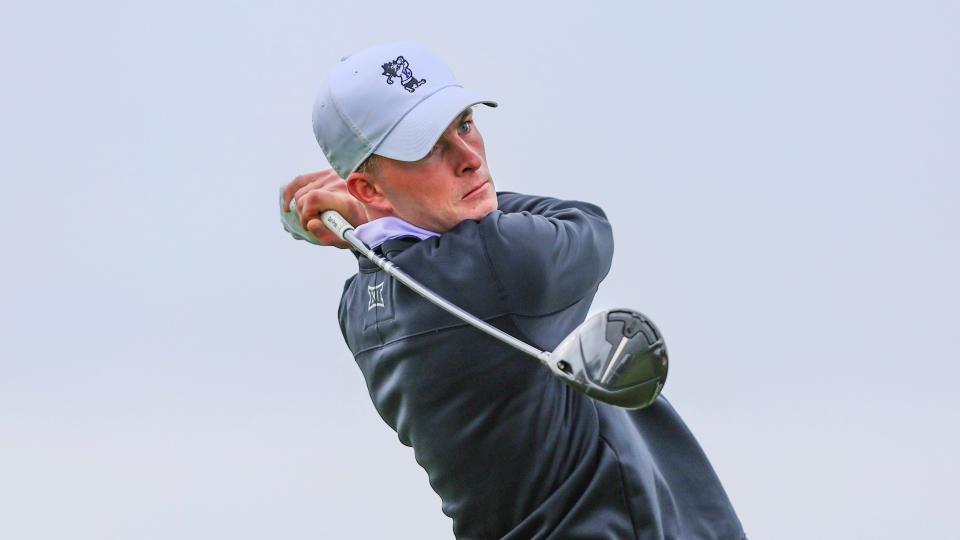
x,y
617,356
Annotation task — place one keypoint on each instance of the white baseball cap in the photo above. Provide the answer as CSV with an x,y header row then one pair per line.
x,y
394,100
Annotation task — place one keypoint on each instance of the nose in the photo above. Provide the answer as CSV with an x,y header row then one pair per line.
x,y
468,158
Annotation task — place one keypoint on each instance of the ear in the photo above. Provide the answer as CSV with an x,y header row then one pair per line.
x,y
364,188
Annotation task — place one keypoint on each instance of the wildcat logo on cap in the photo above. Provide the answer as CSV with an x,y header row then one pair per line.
x,y
400,69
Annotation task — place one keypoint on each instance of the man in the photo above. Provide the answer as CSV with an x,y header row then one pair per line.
x,y
512,451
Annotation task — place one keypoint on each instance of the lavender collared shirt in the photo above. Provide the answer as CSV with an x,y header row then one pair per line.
x,y
380,230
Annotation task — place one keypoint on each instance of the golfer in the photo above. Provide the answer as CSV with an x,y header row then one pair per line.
x,y
513,452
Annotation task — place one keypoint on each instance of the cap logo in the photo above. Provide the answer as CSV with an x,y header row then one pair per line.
x,y
400,69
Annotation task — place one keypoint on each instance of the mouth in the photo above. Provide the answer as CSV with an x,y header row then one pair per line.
x,y
476,190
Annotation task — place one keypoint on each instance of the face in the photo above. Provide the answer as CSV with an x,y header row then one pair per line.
x,y
451,184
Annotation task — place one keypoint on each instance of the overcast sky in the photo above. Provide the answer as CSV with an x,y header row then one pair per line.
x,y
782,178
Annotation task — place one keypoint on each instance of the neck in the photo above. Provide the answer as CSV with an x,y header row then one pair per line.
x,y
373,213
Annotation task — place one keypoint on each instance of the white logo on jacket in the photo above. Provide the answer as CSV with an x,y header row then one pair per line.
x,y
376,296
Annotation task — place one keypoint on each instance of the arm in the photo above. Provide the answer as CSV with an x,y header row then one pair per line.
x,y
547,254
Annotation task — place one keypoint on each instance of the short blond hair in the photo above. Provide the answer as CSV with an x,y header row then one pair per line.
x,y
369,165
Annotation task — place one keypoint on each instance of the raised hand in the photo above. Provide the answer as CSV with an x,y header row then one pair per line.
x,y
315,193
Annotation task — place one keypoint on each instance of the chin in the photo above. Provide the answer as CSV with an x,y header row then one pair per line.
x,y
480,208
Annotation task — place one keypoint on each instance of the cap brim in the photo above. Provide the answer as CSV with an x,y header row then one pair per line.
x,y
419,129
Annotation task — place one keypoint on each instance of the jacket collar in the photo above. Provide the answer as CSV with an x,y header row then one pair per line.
x,y
378,231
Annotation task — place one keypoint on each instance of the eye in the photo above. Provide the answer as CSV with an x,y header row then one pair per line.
x,y
465,126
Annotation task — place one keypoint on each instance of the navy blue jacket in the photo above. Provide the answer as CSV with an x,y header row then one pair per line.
x,y
512,451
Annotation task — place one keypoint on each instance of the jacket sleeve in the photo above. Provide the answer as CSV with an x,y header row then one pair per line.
x,y
546,254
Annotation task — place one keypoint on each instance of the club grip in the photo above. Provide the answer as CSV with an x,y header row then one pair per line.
x,y
336,223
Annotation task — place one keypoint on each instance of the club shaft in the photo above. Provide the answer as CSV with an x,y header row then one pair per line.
x,y
441,302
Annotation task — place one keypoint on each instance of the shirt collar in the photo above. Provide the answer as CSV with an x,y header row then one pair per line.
x,y
378,231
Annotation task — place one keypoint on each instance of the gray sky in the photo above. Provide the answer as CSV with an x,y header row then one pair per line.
x,y
782,178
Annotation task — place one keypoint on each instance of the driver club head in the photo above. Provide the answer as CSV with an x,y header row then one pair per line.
x,y
617,356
